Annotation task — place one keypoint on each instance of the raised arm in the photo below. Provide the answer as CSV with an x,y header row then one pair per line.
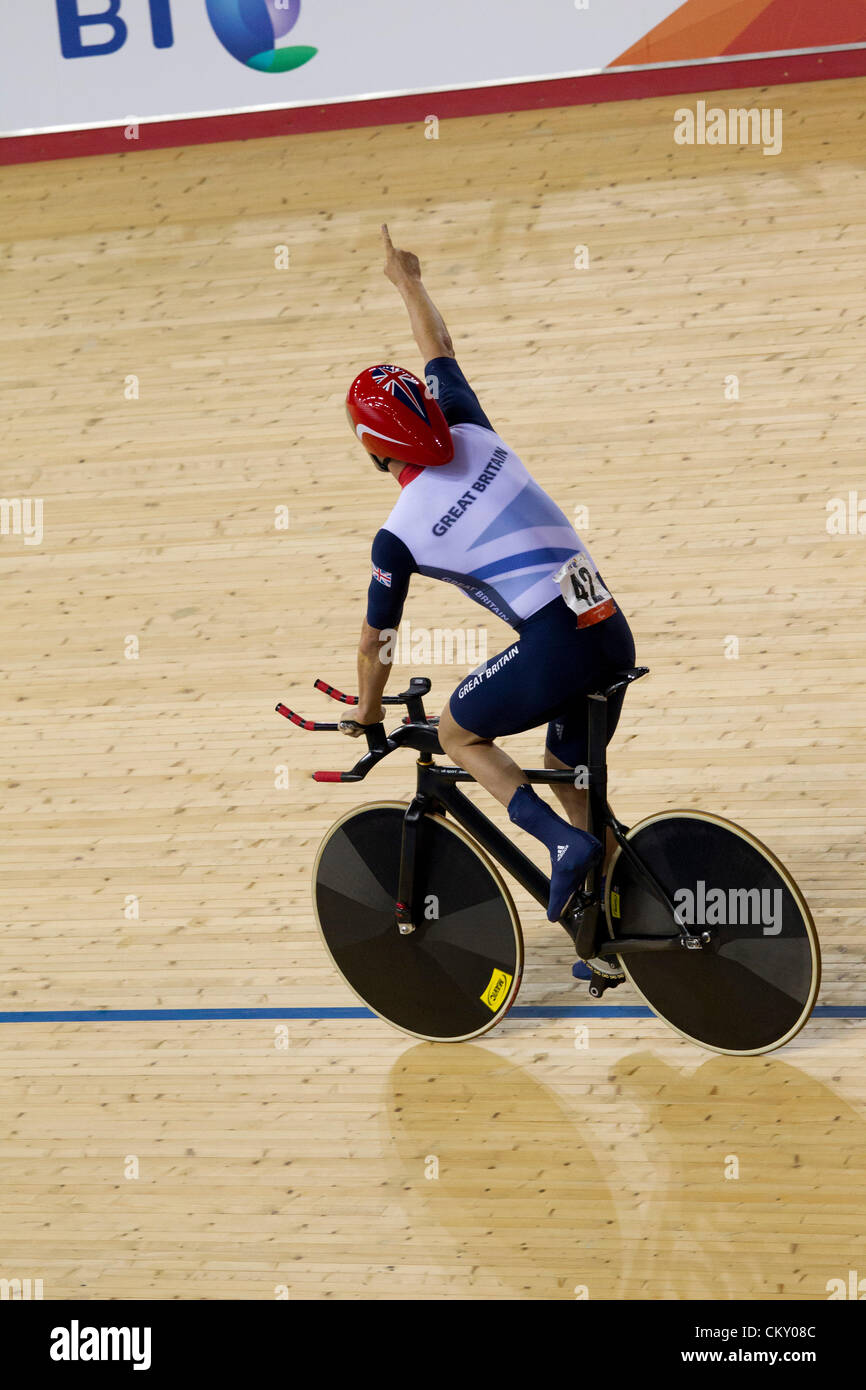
x,y
403,269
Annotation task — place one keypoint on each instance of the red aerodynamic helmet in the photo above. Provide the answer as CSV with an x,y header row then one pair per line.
x,y
394,416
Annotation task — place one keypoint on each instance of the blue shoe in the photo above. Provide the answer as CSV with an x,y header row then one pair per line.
x,y
571,860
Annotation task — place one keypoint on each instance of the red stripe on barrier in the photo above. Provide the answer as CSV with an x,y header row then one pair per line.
x,y
611,85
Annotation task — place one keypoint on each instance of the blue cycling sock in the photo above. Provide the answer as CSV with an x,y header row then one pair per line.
x,y
572,851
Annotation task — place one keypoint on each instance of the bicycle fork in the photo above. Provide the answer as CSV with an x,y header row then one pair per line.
x,y
449,798
405,905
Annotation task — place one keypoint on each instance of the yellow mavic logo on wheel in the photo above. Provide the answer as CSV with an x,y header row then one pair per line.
x,y
497,990
614,903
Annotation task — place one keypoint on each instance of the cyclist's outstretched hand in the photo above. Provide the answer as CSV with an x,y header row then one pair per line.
x,y
403,269
399,265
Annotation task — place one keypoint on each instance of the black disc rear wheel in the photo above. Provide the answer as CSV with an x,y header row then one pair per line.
x,y
752,989
458,973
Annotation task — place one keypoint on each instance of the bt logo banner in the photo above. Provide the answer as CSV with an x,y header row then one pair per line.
x,y
252,31
73,64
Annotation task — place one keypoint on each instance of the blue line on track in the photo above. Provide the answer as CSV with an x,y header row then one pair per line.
x,y
205,1015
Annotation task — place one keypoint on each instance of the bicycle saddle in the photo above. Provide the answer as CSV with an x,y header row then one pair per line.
x,y
622,678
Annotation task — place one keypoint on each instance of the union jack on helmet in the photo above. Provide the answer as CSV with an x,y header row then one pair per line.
x,y
395,416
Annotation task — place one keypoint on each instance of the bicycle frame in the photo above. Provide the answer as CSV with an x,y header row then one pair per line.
x,y
437,791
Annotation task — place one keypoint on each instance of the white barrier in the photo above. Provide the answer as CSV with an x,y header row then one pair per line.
x,y
72,64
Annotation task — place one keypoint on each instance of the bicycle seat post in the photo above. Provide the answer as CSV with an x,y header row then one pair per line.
x,y
597,762
599,811
586,940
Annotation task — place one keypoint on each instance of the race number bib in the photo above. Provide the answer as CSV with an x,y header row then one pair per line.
x,y
583,591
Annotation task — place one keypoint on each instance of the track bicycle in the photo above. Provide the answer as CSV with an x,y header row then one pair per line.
x,y
698,915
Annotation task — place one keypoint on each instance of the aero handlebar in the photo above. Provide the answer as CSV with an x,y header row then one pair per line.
x,y
417,731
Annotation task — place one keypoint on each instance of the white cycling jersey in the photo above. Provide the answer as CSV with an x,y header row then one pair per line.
x,y
483,523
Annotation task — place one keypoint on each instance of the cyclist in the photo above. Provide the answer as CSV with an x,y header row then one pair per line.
x,y
470,513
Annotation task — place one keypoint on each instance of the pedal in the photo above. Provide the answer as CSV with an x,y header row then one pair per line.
x,y
600,973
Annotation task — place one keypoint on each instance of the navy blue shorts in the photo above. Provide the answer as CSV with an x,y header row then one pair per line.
x,y
544,677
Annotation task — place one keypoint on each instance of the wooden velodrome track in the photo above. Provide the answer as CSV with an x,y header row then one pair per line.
x,y
289,1158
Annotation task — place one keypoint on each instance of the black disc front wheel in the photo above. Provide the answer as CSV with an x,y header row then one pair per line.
x,y
457,974
753,986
